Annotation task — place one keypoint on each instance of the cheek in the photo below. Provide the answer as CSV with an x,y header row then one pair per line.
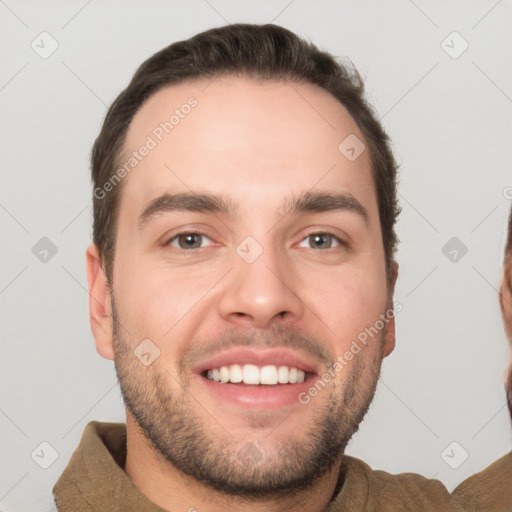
x,y
349,303
141,299
161,304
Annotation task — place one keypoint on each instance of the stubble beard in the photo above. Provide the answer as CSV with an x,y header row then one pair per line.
x,y
179,434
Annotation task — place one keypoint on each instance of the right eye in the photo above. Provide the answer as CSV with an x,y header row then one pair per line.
x,y
187,241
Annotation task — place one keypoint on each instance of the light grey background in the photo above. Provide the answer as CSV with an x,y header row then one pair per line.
x,y
450,120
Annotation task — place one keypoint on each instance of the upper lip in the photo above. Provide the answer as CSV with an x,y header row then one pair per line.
x,y
264,357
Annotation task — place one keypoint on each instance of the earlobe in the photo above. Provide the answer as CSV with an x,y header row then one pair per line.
x,y
100,306
390,338
393,277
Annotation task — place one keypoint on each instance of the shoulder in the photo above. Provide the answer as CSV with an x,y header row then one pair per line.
x,y
386,492
490,489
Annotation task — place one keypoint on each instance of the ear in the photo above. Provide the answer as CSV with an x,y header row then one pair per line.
x,y
100,306
390,339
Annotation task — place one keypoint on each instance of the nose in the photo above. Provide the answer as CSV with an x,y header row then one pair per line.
x,y
263,292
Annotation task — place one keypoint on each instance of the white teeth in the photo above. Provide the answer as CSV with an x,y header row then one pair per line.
x,y
235,373
268,375
252,374
224,374
282,375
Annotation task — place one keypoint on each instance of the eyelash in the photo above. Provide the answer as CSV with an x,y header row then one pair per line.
x,y
184,233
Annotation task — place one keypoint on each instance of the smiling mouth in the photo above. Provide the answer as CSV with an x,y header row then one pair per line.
x,y
257,376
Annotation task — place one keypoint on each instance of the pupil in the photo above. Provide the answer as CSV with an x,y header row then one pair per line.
x,y
320,237
188,238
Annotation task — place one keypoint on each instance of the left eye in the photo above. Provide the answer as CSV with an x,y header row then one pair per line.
x,y
323,238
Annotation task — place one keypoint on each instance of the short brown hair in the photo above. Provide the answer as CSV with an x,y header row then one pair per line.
x,y
259,51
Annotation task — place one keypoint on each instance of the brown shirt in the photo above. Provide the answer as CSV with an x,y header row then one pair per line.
x,y
489,491
94,480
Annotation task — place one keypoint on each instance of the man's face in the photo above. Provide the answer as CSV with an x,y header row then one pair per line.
x,y
257,279
506,310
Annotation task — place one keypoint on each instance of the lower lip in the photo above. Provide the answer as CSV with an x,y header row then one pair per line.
x,y
257,396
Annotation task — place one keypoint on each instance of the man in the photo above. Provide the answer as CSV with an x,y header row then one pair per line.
x,y
241,278
491,489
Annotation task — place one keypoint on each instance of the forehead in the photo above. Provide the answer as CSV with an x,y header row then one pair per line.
x,y
256,137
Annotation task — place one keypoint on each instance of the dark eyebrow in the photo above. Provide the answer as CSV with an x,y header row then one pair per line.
x,y
314,202
320,202
188,201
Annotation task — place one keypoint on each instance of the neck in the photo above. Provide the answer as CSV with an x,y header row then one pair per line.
x,y
171,489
